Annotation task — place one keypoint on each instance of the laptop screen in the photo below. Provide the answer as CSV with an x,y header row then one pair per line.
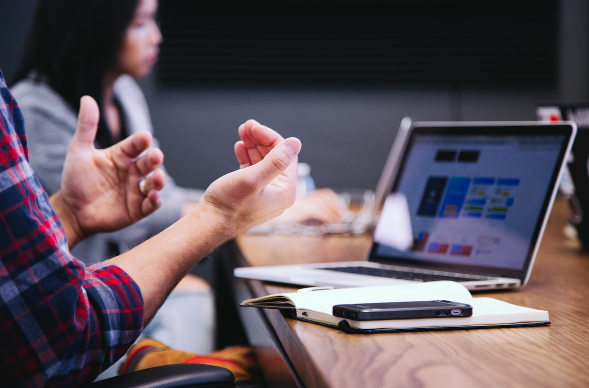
x,y
474,197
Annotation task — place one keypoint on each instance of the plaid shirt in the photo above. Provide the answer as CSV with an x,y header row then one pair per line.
x,y
61,323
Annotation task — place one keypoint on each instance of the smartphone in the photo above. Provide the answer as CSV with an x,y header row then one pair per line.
x,y
402,310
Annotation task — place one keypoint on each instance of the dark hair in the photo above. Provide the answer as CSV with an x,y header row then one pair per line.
x,y
71,46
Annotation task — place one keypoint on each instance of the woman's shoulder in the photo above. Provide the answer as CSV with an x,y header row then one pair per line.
x,y
133,104
33,95
45,112
126,86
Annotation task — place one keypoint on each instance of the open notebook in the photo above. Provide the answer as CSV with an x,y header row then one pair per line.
x,y
317,306
466,202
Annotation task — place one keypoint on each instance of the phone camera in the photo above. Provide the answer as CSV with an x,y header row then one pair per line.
x,y
447,312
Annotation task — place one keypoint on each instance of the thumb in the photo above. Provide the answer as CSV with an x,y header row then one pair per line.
x,y
278,161
87,127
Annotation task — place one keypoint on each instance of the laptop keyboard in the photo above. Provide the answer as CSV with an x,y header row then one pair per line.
x,y
403,275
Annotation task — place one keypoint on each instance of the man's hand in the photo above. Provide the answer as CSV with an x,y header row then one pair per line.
x,y
263,187
322,206
106,190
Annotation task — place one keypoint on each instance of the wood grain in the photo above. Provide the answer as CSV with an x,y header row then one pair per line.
x,y
557,355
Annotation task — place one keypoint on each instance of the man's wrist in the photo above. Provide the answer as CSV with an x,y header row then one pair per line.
x,y
221,225
68,219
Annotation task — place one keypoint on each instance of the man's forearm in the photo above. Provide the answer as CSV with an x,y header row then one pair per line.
x,y
159,263
235,202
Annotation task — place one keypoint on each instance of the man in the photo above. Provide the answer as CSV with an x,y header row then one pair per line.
x,y
62,323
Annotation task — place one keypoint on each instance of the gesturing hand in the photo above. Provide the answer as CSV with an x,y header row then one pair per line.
x,y
264,186
100,189
322,206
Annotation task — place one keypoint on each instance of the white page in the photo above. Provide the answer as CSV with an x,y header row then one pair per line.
x,y
323,301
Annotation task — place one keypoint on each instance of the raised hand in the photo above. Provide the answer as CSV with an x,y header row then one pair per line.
x,y
323,206
264,186
106,190
234,203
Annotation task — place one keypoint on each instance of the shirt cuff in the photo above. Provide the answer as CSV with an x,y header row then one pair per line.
x,y
118,304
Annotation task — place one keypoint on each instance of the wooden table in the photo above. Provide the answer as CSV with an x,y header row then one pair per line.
x,y
295,353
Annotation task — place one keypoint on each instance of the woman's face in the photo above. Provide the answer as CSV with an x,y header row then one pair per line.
x,y
140,47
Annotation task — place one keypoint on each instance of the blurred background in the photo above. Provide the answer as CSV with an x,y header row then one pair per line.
x,y
341,75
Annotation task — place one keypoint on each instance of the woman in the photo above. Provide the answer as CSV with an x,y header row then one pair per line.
x,y
98,47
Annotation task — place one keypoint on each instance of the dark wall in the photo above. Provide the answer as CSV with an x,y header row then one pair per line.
x,y
15,18
352,43
346,131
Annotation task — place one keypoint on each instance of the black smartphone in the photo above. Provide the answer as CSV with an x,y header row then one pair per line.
x,y
402,310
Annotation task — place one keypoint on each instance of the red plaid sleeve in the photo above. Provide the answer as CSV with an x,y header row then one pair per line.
x,y
61,323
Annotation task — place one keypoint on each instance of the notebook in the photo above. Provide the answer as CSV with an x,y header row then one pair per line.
x,y
467,202
318,307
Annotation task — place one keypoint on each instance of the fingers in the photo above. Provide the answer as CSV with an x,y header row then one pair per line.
x,y
329,214
134,145
151,203
254,134
242,155
322,206
149,162
261,191
154,182
278,161
87,127
257,140
150,187
329,205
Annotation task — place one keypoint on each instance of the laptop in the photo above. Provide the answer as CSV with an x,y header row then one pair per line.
x,y
575,180
467,202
